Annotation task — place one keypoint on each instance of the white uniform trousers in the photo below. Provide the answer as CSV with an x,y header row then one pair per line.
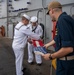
x,y
30,55
19,54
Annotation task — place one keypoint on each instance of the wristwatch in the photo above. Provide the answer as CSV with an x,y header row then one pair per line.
x,y
50,57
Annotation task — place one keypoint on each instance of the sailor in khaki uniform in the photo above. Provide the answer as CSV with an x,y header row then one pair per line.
x,y
36,28
21,33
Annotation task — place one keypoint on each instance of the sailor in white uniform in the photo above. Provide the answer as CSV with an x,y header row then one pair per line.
x,y
36,28
21,33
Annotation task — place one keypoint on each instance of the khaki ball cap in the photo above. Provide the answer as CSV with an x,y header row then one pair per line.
x,y
53,4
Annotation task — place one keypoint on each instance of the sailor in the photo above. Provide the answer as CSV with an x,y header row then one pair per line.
x,y
64,40
21,33
36,28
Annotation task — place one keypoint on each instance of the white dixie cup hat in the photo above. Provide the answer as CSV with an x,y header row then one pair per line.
x,y
26,16
34,19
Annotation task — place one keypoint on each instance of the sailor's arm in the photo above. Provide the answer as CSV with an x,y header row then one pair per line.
x,y
60,53
49,44
31,34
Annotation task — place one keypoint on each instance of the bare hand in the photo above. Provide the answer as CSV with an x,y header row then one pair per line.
x,y
46,46
46,56
29,40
